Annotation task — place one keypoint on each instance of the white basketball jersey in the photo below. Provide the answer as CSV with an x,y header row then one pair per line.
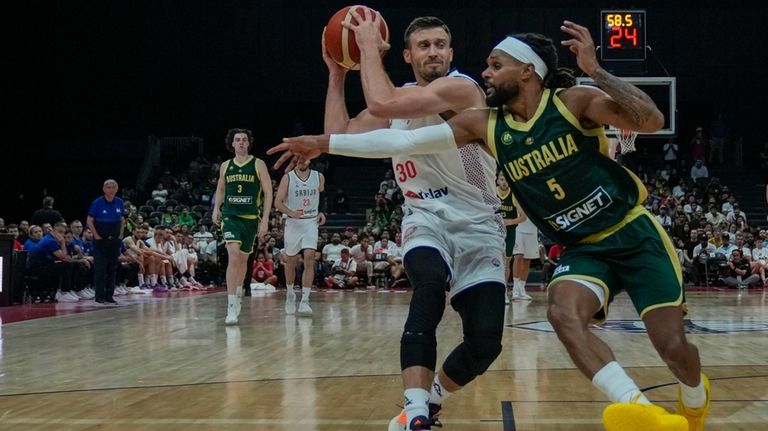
x,y
458,185
304,196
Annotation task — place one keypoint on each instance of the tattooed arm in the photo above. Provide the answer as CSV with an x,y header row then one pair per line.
x,y
620,104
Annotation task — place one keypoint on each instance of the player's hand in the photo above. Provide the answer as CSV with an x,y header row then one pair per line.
x,y
581,45
216,217
263,229
300,150
320,219
333,67
367,33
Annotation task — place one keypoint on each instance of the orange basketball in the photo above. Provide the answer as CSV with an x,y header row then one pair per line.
x,y
340,41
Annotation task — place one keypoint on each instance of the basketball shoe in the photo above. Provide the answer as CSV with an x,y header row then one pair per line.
x,y
398,423
290,301
641,417
696,417
304,308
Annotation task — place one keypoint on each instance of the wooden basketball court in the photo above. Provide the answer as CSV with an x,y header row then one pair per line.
x,y
171,364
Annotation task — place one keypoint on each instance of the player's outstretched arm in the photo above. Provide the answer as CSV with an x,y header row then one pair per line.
x,y
467,127
622,104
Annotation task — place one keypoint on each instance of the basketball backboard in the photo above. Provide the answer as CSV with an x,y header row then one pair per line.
x,y
662,90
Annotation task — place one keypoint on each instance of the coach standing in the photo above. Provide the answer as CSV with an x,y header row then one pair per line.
x,y
106,220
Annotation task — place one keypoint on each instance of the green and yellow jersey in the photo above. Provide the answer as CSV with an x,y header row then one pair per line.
x,y
507,208
561,174
242,192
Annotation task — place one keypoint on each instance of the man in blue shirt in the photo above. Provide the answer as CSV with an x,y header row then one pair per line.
x,y
49,261
106,221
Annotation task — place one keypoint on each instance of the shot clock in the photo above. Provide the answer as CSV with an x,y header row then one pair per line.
x,y
622,35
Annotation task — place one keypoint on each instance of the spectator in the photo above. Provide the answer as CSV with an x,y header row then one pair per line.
x,y
160,194
168,219
263,273
760,259
186,219
23,231
664,218
362,253
698,145
714,217
726,246
739,271
699,173
332,252
14,230
735,214
551,261
46,214
202,237
670,151
343,272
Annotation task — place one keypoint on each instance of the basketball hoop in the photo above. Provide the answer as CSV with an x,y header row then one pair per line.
x,y
627,140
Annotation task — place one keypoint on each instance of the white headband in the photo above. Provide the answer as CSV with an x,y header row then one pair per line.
x,y
523,53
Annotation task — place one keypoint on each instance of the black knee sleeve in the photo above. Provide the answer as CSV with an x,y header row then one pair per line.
x,y
482,313
428,274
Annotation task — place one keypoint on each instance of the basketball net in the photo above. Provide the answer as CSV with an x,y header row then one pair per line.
x,y
627,140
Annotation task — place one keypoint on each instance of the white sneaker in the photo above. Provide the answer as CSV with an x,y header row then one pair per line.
x,y
269,287
290,302
506,297
90,291
136,289
65,297
118,291
304,308
522,295
81,294
231,318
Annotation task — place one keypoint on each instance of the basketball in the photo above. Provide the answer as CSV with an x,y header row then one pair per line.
x,y
340,41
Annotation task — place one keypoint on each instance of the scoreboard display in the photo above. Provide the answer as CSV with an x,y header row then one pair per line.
x,y
622,35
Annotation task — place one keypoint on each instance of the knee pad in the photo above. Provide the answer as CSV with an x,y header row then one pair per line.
x,y
418,349
472,358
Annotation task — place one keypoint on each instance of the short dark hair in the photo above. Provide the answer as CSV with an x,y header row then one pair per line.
x,y
231,137
422,23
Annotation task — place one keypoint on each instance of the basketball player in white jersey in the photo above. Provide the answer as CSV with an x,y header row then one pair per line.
x,y
526,248
298,197
452,238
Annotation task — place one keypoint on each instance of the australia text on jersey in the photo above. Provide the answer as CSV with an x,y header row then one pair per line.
x,y
243,178
430,193
539,158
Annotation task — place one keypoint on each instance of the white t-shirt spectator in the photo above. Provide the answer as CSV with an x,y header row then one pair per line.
x,y
731,217
360,255
678,191
391,247
202,239
332,252
715,218
160,195
760,254
726,249
700,172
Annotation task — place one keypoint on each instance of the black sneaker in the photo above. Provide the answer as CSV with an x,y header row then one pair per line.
x,y
101,301
111,301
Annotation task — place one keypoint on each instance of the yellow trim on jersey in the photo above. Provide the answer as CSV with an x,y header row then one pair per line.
x,y
642,192
502,196
248,160
631,215
491,138
599,132
525,127
597,281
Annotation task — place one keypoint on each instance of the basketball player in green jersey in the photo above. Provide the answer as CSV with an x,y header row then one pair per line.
x,y
548,138
511,220
243,201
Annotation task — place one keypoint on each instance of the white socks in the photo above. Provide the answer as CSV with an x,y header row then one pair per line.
x,y
416,400
290,292
141,279
438,393
614,382
694,397
305,294
163,280
232,302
